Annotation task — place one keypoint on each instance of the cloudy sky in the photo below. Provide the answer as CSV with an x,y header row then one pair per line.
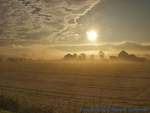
x,y
45,26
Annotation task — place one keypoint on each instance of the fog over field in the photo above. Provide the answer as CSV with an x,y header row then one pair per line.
x,y
74,56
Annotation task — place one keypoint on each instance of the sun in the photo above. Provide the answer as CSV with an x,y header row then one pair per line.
x,y
91,35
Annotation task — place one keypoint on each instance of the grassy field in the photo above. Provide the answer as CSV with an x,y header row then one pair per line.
x,y
71,85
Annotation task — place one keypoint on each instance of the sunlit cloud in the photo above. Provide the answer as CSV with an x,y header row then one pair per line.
x,y
34,20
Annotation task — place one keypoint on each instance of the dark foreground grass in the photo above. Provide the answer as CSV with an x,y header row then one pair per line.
x,y
4,111
12,105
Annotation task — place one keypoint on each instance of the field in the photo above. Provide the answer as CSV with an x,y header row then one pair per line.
x,y
70,85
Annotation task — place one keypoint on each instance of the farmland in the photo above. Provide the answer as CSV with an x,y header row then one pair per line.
x,y
70,85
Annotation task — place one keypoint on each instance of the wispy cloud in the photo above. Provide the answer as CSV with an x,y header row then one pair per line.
x,y
33,20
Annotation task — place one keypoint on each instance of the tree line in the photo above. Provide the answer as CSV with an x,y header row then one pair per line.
x,y
123,55
82,56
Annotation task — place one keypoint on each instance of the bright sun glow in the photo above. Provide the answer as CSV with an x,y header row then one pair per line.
x,y
91,35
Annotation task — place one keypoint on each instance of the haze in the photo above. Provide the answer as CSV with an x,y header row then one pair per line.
x,y
32,28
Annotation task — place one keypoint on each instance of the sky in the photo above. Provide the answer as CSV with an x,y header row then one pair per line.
x,y
49,27
121,20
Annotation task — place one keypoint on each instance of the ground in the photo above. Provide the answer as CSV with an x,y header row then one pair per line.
x,y
78,83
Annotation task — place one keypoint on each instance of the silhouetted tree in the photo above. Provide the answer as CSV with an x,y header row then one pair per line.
x,y
15,59
113,58
131,57
82,56
12,59
68,56
101,54
123,55
75,56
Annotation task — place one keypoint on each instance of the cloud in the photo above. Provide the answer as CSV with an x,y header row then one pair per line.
x,y
127,46
33,20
